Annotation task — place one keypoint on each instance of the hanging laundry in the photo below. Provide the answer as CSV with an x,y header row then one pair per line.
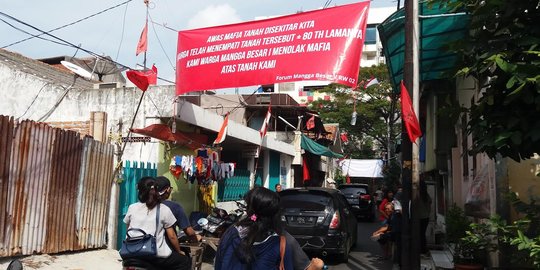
x,y
224,170
202,152
175,167
231,166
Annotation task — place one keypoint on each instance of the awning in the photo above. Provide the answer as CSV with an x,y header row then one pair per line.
x,y
438,26
164,133
317,149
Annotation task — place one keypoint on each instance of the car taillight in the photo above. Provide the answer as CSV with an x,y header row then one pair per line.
x,y
334,224
365,197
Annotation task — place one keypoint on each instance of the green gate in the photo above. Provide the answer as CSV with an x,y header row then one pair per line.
x,y
233,188
132,172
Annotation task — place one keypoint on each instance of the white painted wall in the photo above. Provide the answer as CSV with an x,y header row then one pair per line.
x,y
286,162
31,97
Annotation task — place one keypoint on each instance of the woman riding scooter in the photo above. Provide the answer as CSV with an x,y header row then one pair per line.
x,y
142,215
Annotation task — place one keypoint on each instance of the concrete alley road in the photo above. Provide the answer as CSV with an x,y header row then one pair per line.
x,y
365,255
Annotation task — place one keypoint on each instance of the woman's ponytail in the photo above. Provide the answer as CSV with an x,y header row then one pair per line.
x,y
147,192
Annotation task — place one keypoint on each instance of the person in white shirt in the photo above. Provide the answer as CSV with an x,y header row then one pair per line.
x,y
142,215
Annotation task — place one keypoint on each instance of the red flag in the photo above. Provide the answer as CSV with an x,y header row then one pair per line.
x,y
152,77
305,170
310,123
142,46
348,179
142,79
408,115
265,123
344,137
222,131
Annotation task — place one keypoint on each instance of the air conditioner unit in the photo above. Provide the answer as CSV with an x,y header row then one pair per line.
x,y
108,85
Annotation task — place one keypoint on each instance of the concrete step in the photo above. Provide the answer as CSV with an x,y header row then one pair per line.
x,y
442,259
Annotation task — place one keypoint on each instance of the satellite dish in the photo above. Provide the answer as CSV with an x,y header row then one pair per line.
x,y
100,66
77,69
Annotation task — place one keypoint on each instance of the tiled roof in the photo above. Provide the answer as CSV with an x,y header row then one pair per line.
x,y
57,75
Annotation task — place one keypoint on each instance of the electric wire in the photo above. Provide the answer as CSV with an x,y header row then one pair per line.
x,y
161,45
33,101
327,3
157,108
69,24
51,111
240,103
28,33
67,43
60,39
122,34
164,26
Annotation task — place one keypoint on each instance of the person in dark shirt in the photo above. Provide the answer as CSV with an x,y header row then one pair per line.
x,y
300,259
254,242
164,188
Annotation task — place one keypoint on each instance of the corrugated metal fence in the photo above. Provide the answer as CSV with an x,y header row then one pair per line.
x,y
54,189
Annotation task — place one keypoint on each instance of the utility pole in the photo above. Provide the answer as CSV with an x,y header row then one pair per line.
x,y
410,255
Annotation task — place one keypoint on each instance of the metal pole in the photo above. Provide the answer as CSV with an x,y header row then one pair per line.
x,y
415,256
144,61
410,256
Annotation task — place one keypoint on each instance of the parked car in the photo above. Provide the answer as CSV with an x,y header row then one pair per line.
x,y
359,198
320,219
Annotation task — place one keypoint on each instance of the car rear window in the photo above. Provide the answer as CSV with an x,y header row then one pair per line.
x,y
353,190
305,201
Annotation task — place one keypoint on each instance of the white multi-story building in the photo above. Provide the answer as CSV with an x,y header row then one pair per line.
x,y
372,51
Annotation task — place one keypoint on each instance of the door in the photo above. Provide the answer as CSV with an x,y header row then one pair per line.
x,y
273,170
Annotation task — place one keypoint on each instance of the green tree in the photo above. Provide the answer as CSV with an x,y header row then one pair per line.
x,y
377,113
502,53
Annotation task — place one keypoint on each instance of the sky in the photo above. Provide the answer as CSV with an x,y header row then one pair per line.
x,y
115,31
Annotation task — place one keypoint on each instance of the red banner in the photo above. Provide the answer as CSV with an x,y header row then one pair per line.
x,y
321,45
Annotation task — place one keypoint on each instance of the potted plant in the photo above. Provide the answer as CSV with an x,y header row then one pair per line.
x,y
456,224
471,250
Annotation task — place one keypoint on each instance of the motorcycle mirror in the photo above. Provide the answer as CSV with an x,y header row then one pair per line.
x,y
202,222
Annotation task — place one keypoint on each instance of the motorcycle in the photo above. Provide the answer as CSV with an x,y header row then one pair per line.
x,y
215,224
136,264
141,264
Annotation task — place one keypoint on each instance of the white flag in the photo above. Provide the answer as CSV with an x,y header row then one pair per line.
x,y
371,82
265,123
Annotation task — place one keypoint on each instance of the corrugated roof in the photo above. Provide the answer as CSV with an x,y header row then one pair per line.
x,y
41,70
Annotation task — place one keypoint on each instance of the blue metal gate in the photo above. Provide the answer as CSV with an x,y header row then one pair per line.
x,y
133,171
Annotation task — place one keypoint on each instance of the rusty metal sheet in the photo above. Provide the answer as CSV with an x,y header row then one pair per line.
x,y
94,193
37,139
6,138
54,189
